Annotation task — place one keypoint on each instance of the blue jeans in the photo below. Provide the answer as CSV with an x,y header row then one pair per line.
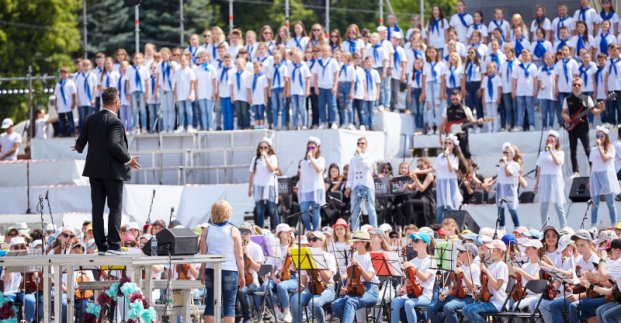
x,y
246,300
326,98
243,114
345,307
270,207
65,120
127,117
548,111
613,108
384,98
361,112
417,109
408,305
369,111
154,113
278,106
471,311
514,216
315,217
195,114
30,302
578,310
318,301
345,104
282,291
526,104
472,100
185,110
228,114
206,110
609,312
80,307
259,111
229,292
357,194
612,208
449,309
440,213
560,211
559,106
139,106
168,110
298,105
510,107
83,112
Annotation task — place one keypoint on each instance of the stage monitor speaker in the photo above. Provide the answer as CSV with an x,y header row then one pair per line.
x,y
464,220
174,242
579,191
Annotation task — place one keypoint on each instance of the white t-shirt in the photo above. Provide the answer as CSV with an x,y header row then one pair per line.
x,y
84,81
514,170
545,24
277,81
548,81
585,265
371,87
143,73
567,21
456,73
233,50
379,55
496,84
240,90
499,58
299,80
597,165
547,165
441,166
460,27
262,176
255,253
297,42
436,34
182,82
586,74
591,17
575,41
481,28
258,88
564,82
223,77
367,265
69,89
613,73
205,76
346,73
330,262
597,43
352,46
433,71
472,272
499,270
325,69
526,83
427,265
13,286
617,145
506,74
7,142
360,84
533,270
310,179
266,61
110,79
166,72
397,65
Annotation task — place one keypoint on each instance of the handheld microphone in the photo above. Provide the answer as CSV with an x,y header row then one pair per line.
x,y
546,148
46,194
590,202
172,211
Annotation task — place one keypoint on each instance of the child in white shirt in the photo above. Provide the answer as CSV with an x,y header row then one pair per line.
x,y
372,87
183,86
359,91
153,102
491,86
432,74
205,90
509,104
326,81
524,75
223,94
346,90
65,94
137,86
240,93
415,100
86,83
165,72
259,88
398,70
545,91
277,79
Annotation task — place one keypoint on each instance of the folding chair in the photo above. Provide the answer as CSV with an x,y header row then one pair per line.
x,y
262,307
508,290
536,287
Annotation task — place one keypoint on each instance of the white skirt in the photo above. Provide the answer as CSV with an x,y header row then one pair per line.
x,y
507,192
261,193
447,193
551,189
317,196
604,183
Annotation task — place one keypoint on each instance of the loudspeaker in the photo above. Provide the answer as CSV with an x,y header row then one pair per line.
x,y
579,191
464,220
174,242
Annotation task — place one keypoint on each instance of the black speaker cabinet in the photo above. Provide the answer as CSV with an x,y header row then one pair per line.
x,y
464,220
176,242
579,191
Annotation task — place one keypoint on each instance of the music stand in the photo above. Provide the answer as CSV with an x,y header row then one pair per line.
x,y
342,259
309,259
262,241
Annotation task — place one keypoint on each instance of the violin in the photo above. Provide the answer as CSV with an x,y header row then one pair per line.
x,y
80,294
316,286
550,292
29,283
354,283
485,294
183,272
285,274
518,290
247,273
581,289
458,289
413,288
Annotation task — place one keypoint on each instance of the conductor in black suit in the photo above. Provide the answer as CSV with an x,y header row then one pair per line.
x,y
107,165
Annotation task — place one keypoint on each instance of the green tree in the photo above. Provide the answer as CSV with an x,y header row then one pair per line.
x,y
405,8
40,33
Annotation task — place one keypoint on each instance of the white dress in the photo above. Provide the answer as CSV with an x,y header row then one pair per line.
x,y
603,176
264,185
447,189
551,183
506,186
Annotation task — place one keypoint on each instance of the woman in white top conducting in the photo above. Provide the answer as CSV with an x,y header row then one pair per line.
x,y
262,184
549,183
311,188
603,179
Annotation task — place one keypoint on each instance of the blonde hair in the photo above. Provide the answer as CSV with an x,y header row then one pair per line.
x,y
221,211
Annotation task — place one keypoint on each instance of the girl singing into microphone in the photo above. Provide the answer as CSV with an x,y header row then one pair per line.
x,y
448,196
507,183
603,179
311,189
549,182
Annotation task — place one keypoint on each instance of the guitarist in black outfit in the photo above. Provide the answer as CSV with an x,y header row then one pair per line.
x,y
574,104
458,112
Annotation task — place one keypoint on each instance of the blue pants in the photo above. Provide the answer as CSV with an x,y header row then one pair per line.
x,y
278,106
613,108
260,208
154,113
259,111
185,110
206,112
526,104
510,107
313,216
548,111
282,291
345,307
168,110
449,309
369,111
195,115
417,109
609,312
327,99
139,106
440,212
243,114
228,114
318,301
229,292
246,300
65,120
471,311
561,98
384,98
299,111
560,211
83,112
472,100
357,196
612,208
514,216
408,305
360,111
30,302
578,310
127,117
345,104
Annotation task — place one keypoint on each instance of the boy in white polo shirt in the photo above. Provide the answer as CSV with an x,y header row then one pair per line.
x,y
326,80
299,89
86,83
204,88
183,87
240,93
492,90
398,71
564,72
64,102
524,75
258,88
137,84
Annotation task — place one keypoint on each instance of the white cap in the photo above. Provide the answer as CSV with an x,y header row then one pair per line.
x,y
267,140
397,35
530,243
315,140
50,228
381,28
366,227
283,227
18,240
427,230
7,123
36,243
385,227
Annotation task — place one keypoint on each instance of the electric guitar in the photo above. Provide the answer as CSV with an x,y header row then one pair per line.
x,y
577,118
459,126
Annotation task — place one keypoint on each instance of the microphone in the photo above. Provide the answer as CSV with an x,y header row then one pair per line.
x,y
546,148
172,211
503,200
590,202
46,194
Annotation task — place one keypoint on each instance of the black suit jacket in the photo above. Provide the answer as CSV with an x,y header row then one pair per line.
x,y
107,147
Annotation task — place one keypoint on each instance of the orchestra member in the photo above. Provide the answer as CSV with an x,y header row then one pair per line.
x,y
254,258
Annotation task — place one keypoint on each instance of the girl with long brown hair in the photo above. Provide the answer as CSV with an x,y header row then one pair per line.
x,y
603,179
262,186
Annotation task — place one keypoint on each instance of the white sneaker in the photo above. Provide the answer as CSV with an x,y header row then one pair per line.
x,y
304,128
363,128
334,126
351,127
517,128
532,128
320,126
190,129
287,317
180,130
574,175
478,130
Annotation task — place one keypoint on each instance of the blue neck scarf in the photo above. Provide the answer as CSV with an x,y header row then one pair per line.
x,y
561,23
376,57
352,46
490,86
61,84
606,15
470,71
254,81
323,66
599,75
525,68
540,50
166,73
107,80
452,80
389,29
238,75
206,67
547,69
277,75
224,74
435,25
509,69
296,67
369,79
584,70
583,13
298,43
138,79
562,43
566,70
433,71
397,59
462,18
87,87
343,70
518,46
417,76
603,43
613,65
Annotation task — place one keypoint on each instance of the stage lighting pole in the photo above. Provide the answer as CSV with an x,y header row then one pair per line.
x,y
327,16
381,12
181,26
230,16
137,25
84,29
287,13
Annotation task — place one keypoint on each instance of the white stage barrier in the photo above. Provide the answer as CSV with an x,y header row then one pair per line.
x,y
42,172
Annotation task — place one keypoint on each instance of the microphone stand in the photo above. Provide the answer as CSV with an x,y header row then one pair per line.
x,y
586,212
28,211
50,209
151,208
500,210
